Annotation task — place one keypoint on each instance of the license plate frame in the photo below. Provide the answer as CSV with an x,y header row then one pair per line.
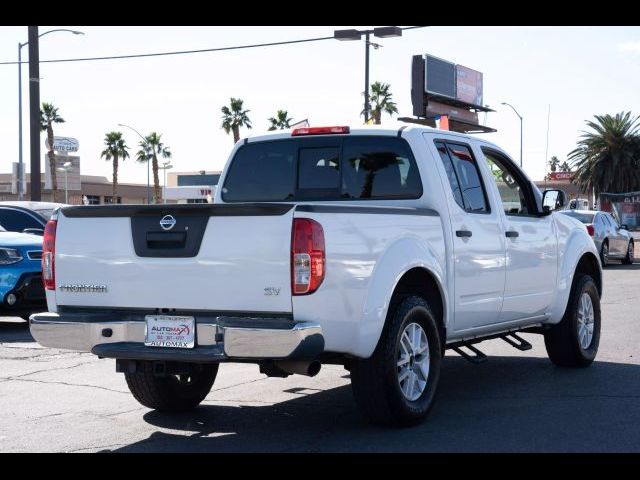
x,y
170,331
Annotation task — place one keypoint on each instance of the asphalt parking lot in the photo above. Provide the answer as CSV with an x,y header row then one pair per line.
x,y
60,401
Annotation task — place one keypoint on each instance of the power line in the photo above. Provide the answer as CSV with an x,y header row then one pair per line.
x,y
183,52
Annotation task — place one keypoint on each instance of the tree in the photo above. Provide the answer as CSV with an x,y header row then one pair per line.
x,y
565,167
49,116
553,163
150,149
381,99
607,159
116,148
233,118
280,121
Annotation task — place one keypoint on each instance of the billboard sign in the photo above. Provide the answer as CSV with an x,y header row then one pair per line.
x,y
73,172
468,85
63,144
440,77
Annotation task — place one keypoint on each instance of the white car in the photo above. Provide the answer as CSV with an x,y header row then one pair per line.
x,y
376,248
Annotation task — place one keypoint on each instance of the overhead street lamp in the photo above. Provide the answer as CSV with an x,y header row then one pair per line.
x,y
144,142
20,164
353,34
65,168
520,117
165,166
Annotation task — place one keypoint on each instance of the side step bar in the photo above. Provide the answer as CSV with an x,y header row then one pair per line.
x,y
517,342
477,356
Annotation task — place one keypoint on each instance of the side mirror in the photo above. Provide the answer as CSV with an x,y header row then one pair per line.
x,y
624,226
34,231
553,200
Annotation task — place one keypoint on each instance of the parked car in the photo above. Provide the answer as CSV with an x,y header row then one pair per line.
x,y
27,217
612,240
375,248
21,288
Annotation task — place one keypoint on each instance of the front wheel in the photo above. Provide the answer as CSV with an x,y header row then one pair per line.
x,y
574,341
171,392
628,260
396,386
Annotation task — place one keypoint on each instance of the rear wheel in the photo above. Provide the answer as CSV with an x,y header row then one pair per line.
x,y
604,253
574,341
171,392
396,386
628,260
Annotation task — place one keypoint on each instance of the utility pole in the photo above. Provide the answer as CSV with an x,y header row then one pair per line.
x,y
34,112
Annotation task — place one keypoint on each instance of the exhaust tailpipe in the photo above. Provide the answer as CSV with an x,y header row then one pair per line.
x,y
300,367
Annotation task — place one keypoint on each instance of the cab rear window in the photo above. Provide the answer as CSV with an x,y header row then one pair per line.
x,y
336,168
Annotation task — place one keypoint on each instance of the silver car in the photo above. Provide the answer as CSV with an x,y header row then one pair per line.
x,y
612,240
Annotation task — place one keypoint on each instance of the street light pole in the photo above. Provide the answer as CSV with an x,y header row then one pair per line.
x,y
520,117
352,34
144,141
20,163
366,79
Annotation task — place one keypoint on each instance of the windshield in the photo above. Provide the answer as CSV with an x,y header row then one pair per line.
x,y
585,218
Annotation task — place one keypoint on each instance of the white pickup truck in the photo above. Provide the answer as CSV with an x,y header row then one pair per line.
x,y
375,248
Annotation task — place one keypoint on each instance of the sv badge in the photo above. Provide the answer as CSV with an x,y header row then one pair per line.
x,y
271,291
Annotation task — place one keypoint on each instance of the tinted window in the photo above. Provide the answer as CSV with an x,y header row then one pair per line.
x,y
327,169
451,173
461,165
17,221
585,218
261,171
612,220
379,168
318,169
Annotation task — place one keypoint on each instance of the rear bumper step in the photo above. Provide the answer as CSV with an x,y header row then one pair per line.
x,y
215,342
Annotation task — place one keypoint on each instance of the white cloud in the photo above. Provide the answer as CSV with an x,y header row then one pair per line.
x,y
632,47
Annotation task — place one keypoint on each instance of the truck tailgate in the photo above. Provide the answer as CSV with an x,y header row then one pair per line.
x,y
214,257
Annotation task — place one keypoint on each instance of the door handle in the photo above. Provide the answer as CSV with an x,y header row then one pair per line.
x,y
512,234
464,233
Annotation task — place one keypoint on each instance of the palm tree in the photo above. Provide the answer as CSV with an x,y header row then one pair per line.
x,y
280,121
233,118
553,163
150,149
49,116
116,149
565,167
382,99
608,158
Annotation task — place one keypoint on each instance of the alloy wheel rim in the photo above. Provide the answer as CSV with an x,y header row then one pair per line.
x,y
413,361
605,254
586,319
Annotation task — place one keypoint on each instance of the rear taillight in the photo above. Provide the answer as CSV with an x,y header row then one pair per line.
x,y
48,255
590,230
307,256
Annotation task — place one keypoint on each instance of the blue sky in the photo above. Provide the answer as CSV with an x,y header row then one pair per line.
x,y
579,71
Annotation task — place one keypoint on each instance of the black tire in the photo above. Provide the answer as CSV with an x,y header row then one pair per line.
x,y
171,392
604,254
562,340
375,382
628,259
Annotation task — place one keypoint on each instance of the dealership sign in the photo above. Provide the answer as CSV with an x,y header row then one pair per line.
x,y
63,144
561,176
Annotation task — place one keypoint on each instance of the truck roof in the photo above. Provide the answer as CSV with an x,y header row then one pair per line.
x,y
389,129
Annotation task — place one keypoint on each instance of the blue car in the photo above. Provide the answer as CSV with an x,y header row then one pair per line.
x,y
21,289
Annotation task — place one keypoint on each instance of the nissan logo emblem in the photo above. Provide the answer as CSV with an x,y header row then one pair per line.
x,y
167,222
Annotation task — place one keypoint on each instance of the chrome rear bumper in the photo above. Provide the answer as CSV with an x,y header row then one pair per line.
x,y
217,340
